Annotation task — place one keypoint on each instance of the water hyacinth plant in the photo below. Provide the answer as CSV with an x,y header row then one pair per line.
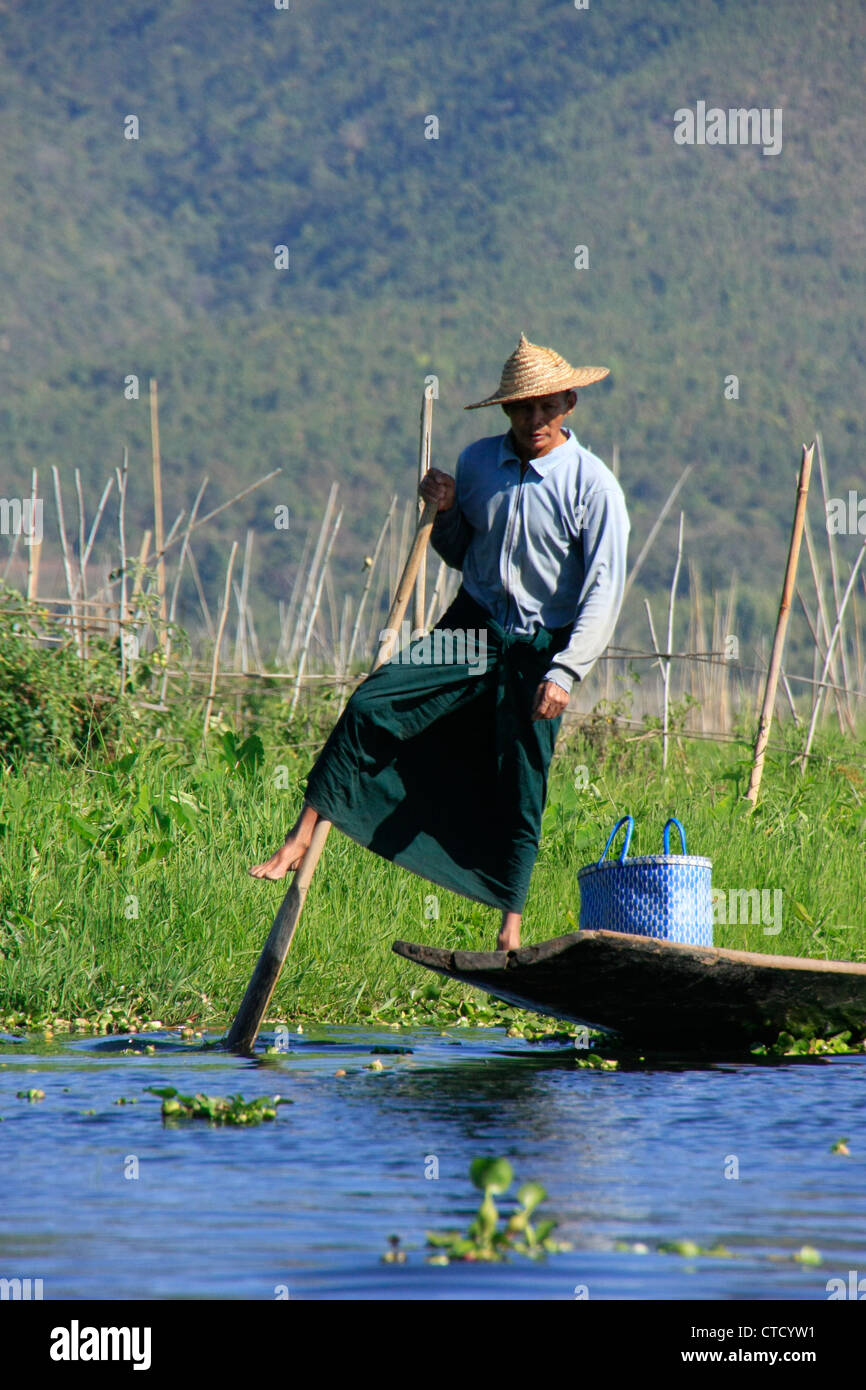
x,y
786,1045
484,1240
218,1110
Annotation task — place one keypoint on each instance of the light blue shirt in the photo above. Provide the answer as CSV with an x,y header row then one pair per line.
x,y
547,550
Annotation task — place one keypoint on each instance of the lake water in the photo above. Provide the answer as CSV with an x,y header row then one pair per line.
x,y
304,1205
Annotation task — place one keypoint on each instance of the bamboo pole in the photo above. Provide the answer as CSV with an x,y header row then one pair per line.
x,y
833,639
331,596
664,667
647,545
122,478
282,651
149,625
424,456
302,660
820,651
652,628
822,618
81,583
238,497
406,584
766,718
436,596
405,532
242,654
700,676
312,577
692,675
719,672
240,660
254,643
106,491
140,564
157,497
185,550
718,676
858,648
670,647
172,611
86,546
224,612
67,563
34,550
172,539
380,591
730,611
393,560
248,1020
371,570
763,665
793,708
345,629
199,588
834,569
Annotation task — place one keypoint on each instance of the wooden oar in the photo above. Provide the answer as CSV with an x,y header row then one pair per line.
x,y
248,1020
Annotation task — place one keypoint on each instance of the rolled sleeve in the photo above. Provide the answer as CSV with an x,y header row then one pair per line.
x,y
605,541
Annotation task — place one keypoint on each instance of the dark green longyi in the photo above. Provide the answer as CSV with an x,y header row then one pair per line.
x,y
441,769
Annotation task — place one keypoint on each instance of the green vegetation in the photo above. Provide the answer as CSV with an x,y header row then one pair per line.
x,y
484,1240
125,901
217,1110
692,1249
788,1046
51,704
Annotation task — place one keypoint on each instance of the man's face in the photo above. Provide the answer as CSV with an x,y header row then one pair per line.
x,y
537,423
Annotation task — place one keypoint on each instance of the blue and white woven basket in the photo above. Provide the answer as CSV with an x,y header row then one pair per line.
x,y
666,895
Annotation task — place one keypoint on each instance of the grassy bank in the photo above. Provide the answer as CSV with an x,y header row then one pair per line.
x,y
124,881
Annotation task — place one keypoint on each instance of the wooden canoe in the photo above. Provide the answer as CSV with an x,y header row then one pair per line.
x,y
663,995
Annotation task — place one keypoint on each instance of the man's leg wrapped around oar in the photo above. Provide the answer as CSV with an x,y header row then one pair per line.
x,y
437,764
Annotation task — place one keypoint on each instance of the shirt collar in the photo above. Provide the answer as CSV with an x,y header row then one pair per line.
x,y
508,453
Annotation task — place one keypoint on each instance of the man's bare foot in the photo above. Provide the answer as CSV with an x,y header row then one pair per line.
x,y
289,856
509,932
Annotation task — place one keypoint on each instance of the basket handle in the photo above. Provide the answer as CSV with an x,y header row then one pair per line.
x,y
626,820
667,836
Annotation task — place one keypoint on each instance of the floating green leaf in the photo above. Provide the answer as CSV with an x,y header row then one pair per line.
x,y
484,1240
492,1174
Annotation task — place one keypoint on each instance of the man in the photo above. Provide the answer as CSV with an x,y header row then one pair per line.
x,y
443,768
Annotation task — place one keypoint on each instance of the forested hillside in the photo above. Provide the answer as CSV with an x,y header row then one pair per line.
x,y
408,255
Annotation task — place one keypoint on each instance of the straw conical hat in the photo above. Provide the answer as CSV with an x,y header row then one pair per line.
x,y
538,371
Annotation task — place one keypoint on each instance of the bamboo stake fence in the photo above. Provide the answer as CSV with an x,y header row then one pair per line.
x,y
326,638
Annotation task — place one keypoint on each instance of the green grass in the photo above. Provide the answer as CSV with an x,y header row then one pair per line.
x,y
167,832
